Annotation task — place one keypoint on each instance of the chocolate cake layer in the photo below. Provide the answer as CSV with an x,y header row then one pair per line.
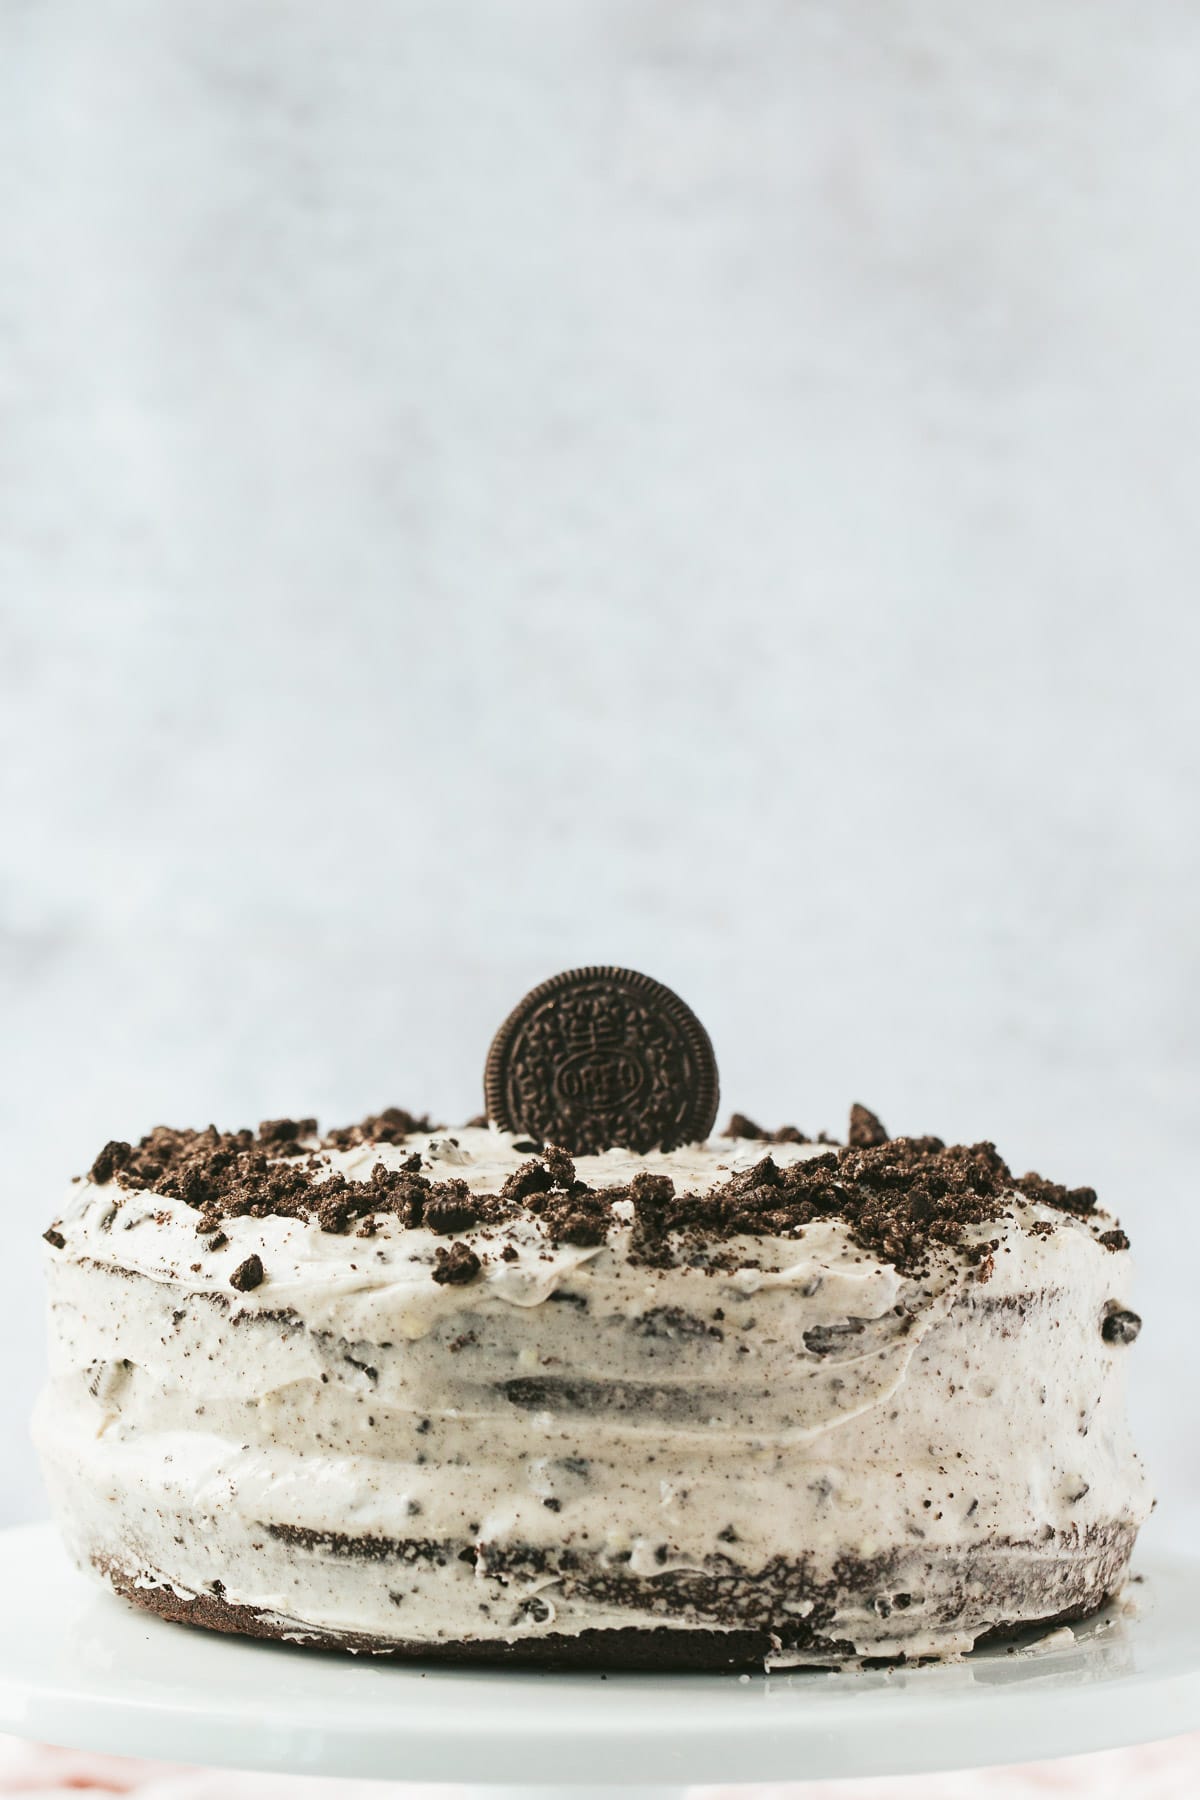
x,y
1077,1584
442,1394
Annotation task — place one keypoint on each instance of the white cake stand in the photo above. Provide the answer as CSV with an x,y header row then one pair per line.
x,y
81,1668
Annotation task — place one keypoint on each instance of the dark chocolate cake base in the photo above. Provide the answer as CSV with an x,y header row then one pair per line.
x,y
1082,1580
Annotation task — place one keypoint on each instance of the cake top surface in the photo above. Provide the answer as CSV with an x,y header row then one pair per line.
x,y
905,1202
601,1088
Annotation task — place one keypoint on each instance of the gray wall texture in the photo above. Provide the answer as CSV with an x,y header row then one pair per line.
x,y
505,485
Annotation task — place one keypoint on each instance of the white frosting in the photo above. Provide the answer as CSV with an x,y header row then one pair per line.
x,y
732,1413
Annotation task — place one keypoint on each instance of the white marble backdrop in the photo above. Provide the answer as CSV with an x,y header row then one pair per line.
x,y
492,484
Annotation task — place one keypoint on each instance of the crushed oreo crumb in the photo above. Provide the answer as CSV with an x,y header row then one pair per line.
x,y
1120,1326
740,1126
114,1156
283,1137
867,1130
1114,1240
391,1126
1079,1201
247,1275
530,1178
457,1265
449,1207
55,1237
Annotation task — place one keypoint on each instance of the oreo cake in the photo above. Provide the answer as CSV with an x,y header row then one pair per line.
x,y
581,1384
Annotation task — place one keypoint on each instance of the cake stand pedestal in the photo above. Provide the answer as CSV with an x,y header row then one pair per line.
x,y
80,1668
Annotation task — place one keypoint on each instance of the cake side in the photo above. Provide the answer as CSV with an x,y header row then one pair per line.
x,y
566,1403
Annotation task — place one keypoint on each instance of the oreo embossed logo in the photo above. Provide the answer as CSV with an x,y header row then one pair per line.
x,y
597,1058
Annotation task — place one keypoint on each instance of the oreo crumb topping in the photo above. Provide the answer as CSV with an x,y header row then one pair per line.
x,y
1079,1201
867,1130
115,1155
55,1237
391,1126
457,1265
247,1275
284,1135
1120,1326
904,1199
740,1126
451,1209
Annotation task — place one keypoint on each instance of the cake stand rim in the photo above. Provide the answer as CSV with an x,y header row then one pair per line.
x,y
81,1668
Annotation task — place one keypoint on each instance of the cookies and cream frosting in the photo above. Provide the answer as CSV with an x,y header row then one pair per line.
x,y
524,1398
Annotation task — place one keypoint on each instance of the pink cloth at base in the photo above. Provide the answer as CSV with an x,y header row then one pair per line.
x,y
1165,1771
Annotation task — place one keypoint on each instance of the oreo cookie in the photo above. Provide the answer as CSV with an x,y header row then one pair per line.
x,y
600,1058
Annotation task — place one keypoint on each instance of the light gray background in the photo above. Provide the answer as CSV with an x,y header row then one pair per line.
x,y
485,487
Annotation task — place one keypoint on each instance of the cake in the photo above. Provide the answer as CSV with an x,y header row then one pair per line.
x,y
742,1402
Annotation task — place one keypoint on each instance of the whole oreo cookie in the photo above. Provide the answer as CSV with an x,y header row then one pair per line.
x,y
601,1058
